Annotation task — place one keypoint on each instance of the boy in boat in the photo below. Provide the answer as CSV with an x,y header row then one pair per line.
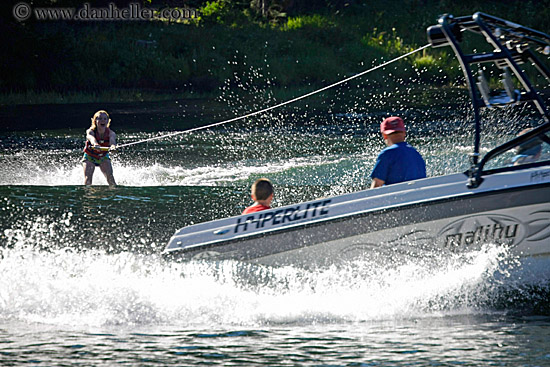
x,y
100,139
399,162
262,194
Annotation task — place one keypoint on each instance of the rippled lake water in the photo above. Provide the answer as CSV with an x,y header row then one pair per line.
x,y
82,281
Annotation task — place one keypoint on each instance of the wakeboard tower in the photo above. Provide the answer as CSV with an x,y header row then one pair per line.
x,y
498,200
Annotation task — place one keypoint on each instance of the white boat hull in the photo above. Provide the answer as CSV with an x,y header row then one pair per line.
x,y
415,218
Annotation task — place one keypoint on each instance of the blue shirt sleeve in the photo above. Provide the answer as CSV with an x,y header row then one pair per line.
x,y
381,167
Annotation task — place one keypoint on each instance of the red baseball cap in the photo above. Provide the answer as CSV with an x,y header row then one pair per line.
x,y
392,124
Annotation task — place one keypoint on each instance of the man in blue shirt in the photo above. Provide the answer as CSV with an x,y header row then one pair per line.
x,y
398,162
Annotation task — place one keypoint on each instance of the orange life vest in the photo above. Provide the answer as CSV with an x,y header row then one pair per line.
x,y
104,141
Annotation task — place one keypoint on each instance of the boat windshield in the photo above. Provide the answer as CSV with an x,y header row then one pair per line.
x,y
534,150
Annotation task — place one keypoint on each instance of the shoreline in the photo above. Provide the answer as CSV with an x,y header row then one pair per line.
x,y
171,113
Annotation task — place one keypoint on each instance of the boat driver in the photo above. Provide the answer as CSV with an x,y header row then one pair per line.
x,y
399,162
528,152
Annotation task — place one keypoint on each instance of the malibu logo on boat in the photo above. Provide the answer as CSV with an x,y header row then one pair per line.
x,y
479,229
282,216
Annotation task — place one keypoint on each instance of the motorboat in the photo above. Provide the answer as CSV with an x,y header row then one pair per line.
x,y
502,199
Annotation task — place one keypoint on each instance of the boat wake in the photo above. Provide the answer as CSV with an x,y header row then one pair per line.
x,y
94,288
288,156
63,171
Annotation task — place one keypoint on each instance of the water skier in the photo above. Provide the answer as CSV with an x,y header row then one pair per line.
x,y
100,139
